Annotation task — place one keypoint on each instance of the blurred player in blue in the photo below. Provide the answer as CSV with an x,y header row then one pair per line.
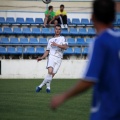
x,y
103,69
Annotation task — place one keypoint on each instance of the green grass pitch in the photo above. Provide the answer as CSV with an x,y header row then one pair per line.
x,y
19,101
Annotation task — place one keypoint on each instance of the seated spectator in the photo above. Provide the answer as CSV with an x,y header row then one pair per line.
x,y
50,17
61,17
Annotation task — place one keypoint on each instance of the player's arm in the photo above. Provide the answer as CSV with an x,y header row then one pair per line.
x,y
92,74
47,14
52,20
80,87
64,46
44,55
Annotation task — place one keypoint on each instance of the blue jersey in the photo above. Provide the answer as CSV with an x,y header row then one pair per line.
x,y
104,69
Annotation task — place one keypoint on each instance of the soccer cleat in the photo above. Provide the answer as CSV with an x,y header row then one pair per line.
x,y
38,89
62,26
48,90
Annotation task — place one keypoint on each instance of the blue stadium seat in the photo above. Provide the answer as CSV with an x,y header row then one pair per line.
x,y
20,21
20,50
2,20
7,30
43,41
76,21
14,40
77,51
71,41
10,20
39,21
82,31
5,40
68,21
1,30
91,31
69,51
73,31
89,40
11,50
85,51
40,50
17,30
65,32
3,50
29,21
24,40
85,21
36,31
80,41
46,31
33,41
26,31
30,50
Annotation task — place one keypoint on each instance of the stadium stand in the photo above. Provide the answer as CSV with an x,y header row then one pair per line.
x,y
19,37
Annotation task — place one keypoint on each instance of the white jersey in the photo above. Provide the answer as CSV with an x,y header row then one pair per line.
x,y
54,50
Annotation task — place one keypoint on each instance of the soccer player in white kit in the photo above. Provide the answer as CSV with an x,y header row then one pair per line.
x,y
54,51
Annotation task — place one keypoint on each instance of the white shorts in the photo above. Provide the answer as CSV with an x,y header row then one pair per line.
x,y
54,62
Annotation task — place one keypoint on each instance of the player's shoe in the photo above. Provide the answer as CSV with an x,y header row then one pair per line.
x,y
62,26
38,89
48,90
66,26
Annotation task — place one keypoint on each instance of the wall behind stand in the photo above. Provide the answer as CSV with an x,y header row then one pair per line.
x,y
33,69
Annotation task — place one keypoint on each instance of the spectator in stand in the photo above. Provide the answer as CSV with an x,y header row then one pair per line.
x,y
50,17
61,17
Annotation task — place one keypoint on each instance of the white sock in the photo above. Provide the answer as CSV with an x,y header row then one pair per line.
x,y
48,85
48,78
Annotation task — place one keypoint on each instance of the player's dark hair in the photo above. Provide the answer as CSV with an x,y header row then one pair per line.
x,y
104,11
62,6
50,7
58,26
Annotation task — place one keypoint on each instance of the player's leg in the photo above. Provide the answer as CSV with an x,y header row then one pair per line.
x,y
50,72
48,78
56,68
64,18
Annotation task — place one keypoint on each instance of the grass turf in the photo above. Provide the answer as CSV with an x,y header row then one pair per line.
x,y
19,101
